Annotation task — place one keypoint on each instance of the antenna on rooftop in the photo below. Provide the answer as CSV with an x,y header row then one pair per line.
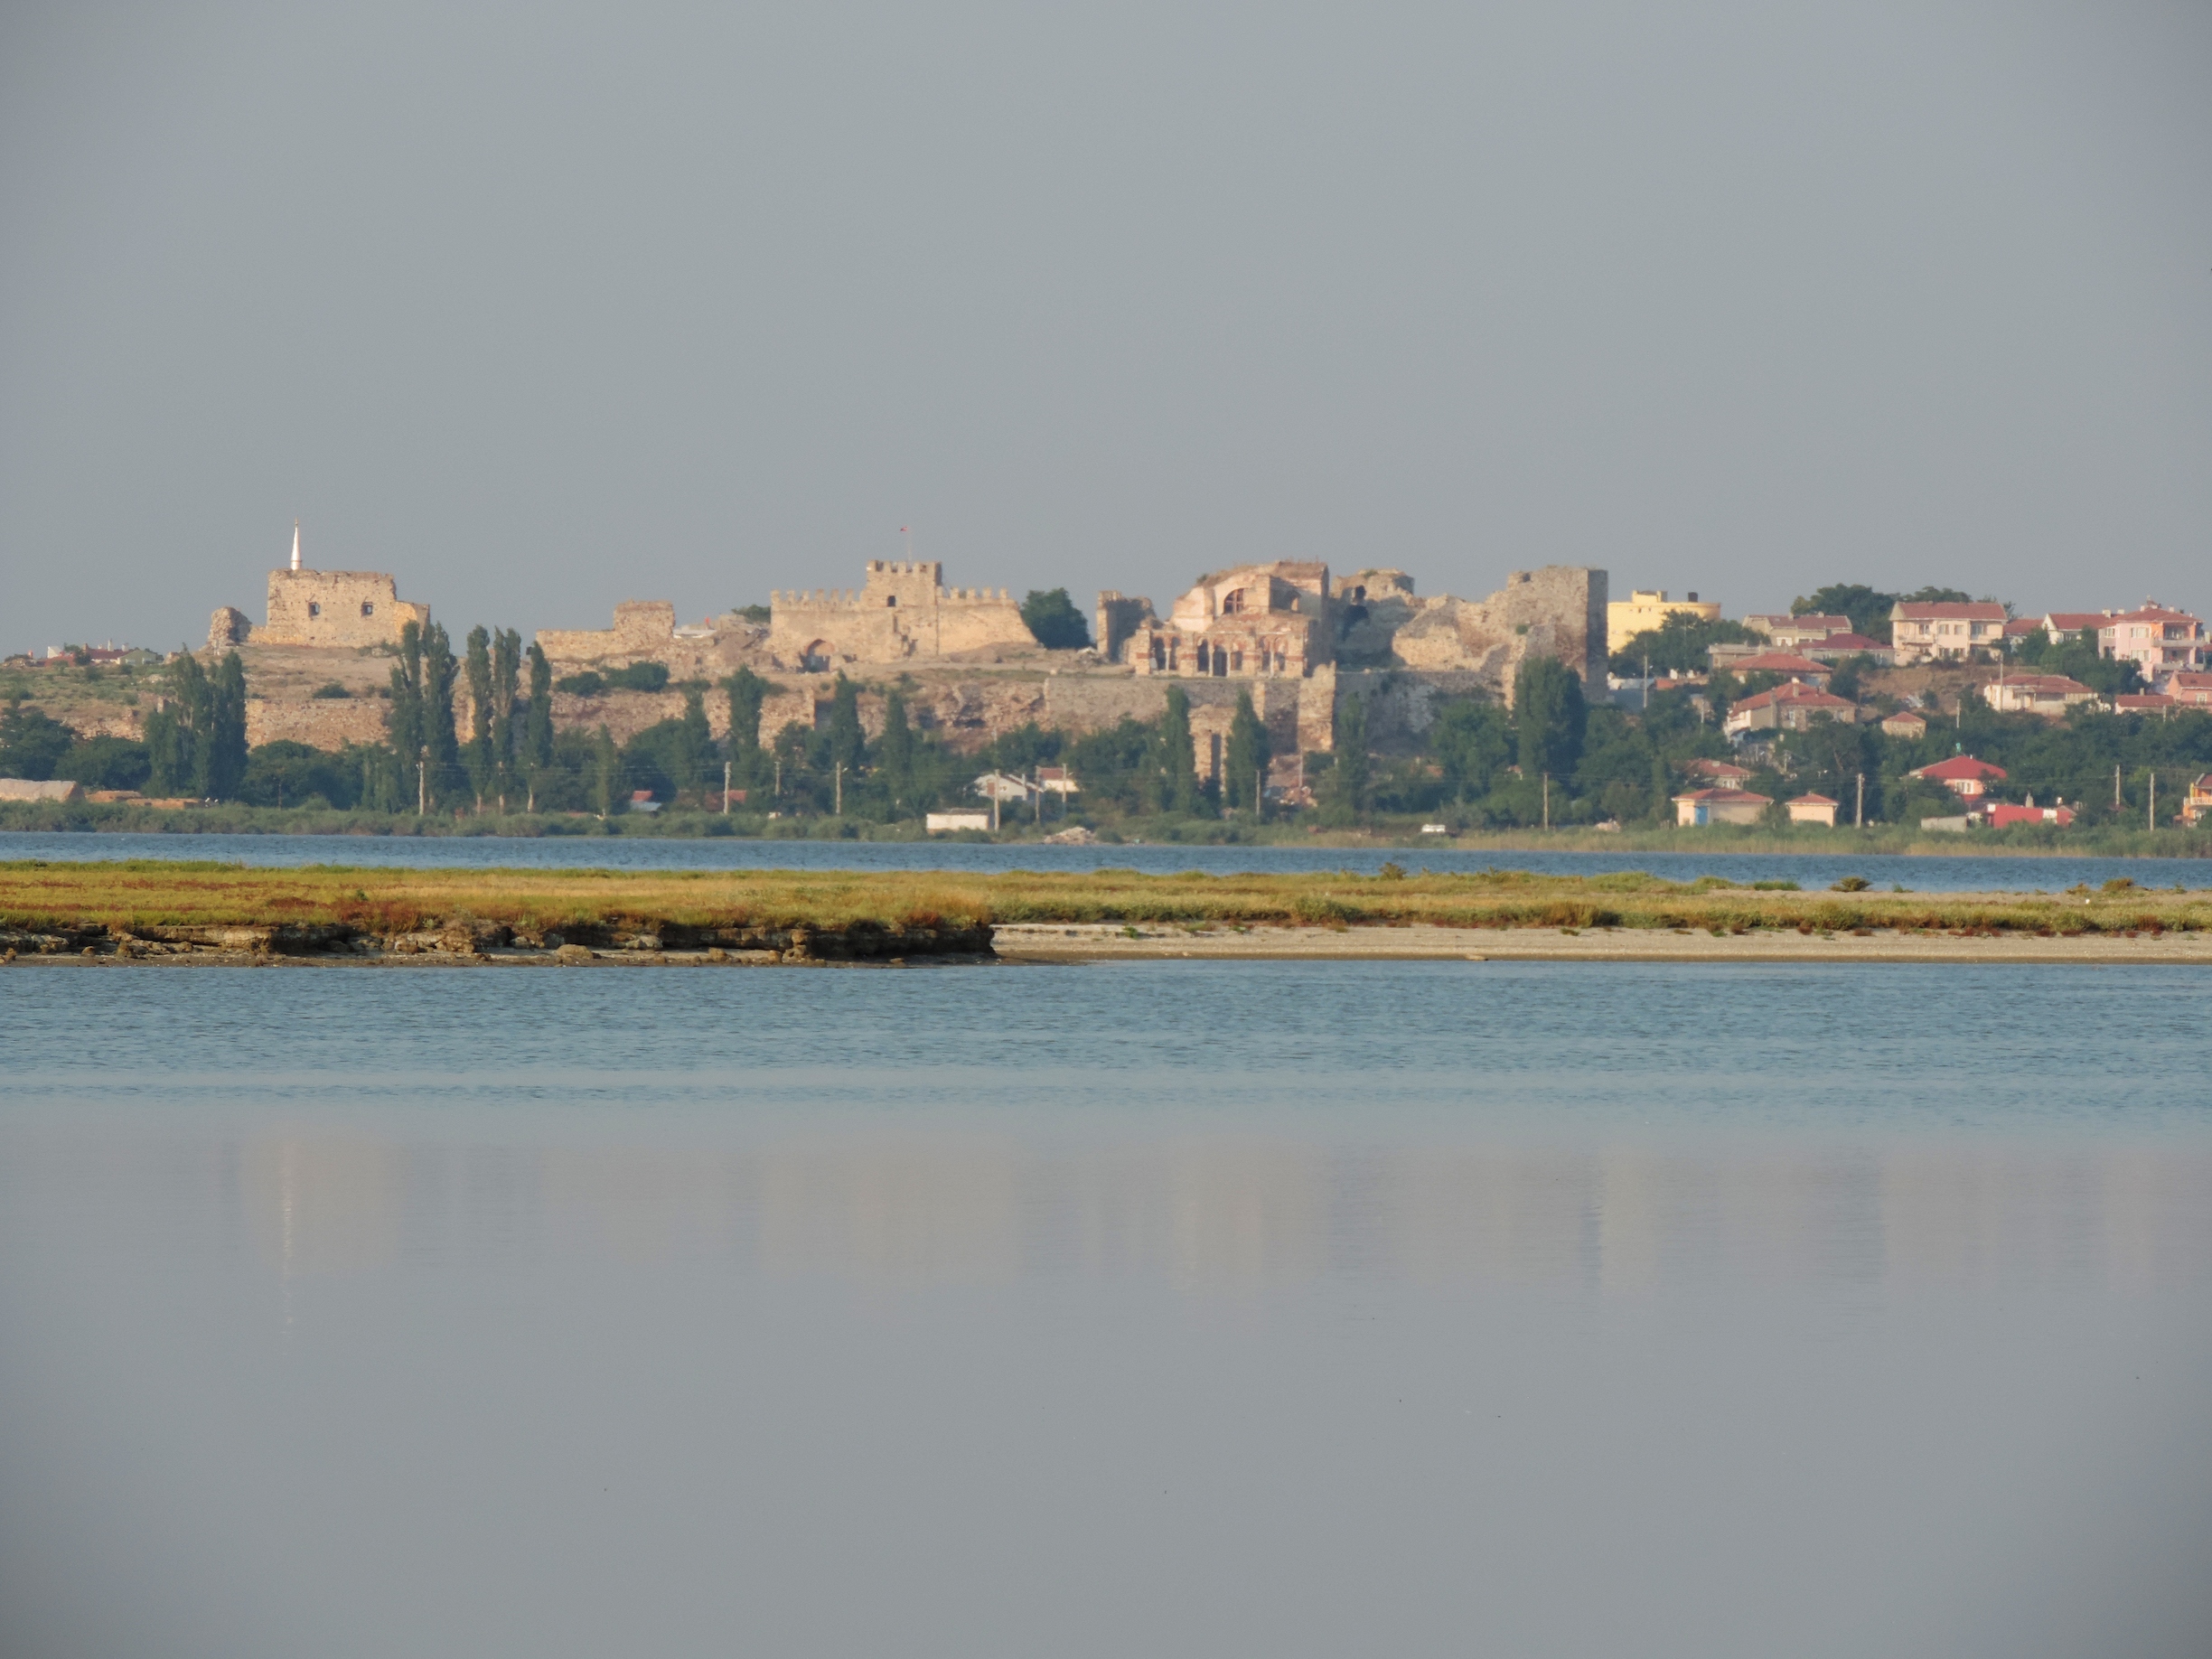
x,y
295,544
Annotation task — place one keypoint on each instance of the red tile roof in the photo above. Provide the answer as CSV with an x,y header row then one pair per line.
x,y
1780,662
1949,609
1811,800
1960,766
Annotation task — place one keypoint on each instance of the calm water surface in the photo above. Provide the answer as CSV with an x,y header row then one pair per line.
x,y
1961,873
1288,1308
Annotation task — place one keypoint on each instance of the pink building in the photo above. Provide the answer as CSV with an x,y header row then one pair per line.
x,y
1946,630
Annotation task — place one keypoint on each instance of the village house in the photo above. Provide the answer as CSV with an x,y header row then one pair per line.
x,y
2003,815
1785,632
2143,702
1787,663
1717,773
2189,690
2060,626
2197,805
1792,707
1721,806
1906,723
1963,775
2157,640
1810,808
1944,631
1838,646
2051,695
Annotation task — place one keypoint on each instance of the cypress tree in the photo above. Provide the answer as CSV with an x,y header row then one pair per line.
x,y
1174,761
1246,758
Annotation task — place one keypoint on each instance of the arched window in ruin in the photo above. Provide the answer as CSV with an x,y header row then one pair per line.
x,y
1233,602
1236,662
815,658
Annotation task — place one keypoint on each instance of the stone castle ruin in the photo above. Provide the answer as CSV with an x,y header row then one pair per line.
x,y
1297,638
903,613
345,608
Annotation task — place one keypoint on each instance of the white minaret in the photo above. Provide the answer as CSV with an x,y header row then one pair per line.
x,y
295,544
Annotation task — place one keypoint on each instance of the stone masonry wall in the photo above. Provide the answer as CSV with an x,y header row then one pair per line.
x,y
1559,611
335,607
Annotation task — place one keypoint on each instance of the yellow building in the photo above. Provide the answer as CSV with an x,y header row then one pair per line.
x,y
1647,608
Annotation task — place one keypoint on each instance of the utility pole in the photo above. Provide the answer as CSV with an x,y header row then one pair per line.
x,y
725,777
994,789
837,784
2151,812
422,782
1859,811
1546,800
2115,789
779,776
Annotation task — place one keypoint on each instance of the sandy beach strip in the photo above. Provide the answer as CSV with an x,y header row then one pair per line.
x,y
1099,943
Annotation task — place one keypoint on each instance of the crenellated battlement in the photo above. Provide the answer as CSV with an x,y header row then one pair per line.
x,y
905,612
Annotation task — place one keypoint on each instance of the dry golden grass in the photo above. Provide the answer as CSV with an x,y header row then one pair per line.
x,y
143,894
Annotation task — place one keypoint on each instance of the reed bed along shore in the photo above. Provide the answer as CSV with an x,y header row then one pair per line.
x,y
49,907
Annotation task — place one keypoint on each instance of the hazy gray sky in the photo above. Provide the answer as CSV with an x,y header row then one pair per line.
x,y
543,306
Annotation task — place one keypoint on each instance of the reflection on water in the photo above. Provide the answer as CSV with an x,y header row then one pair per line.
x,y
1222,1212
1299,1309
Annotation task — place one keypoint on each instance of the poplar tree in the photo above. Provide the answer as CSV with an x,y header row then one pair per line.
x,y
1246,758
223,755
695,748
1345,789
482,764
439,671
606,774
538,729
1549,717
895,753
746,691
848,741
1175,764
506,668
406,722
175,732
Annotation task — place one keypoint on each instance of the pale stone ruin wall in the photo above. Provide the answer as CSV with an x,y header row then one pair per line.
x,y
329,723
333,607
1118,618
903,613
645,631
1559,611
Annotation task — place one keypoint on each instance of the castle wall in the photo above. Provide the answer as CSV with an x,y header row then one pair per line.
x,y
645,631
334,607
329,723
903,613
1118,618
1559,611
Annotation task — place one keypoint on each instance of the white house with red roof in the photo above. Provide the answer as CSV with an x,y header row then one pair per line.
x,y
2051,695
1810,808
1717,773
1963,775
1796,632
1791,706
1944,631
1721,806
